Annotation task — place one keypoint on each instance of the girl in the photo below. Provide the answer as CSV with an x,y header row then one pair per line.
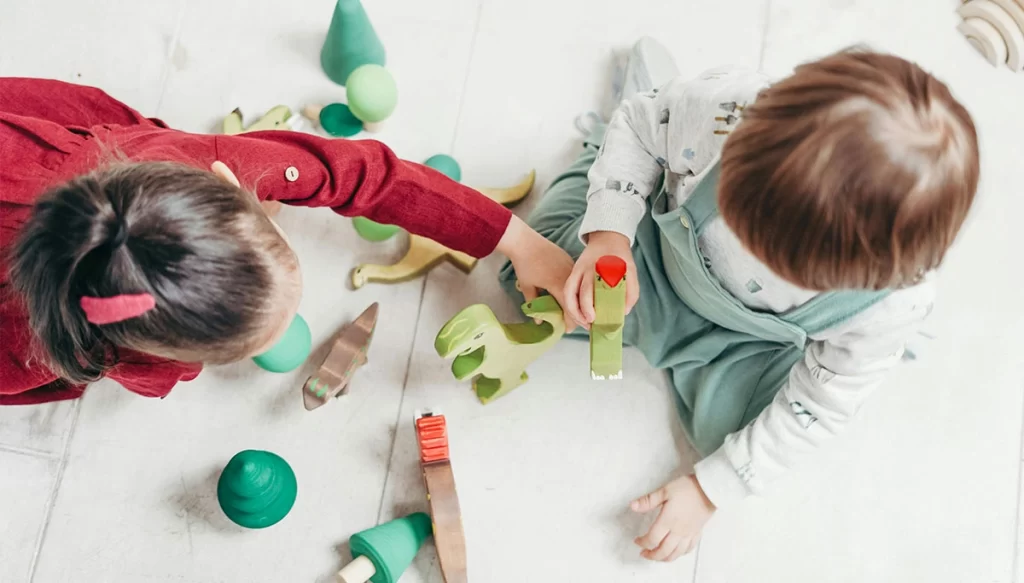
x,y
778,237
140,270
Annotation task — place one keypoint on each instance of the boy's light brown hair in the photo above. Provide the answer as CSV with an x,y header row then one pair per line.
x,y
856,172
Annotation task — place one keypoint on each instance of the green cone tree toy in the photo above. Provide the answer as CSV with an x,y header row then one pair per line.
x,y
351,42
381,554
256,489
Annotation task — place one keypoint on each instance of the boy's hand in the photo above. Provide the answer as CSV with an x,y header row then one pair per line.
x,y
579,289
684,511
539,263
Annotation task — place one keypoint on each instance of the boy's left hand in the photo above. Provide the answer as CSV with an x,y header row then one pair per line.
x,y
685,509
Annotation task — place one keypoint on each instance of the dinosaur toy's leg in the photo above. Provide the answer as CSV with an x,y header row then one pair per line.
x,y
423,254
488,389
512,195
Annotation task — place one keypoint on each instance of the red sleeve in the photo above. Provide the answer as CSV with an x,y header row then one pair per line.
x,y
66,104
151,376
365,178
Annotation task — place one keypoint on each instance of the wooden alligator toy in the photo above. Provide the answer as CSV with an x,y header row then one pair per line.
x,y
445,513
498,354
610,311
424,254
275,119
347,354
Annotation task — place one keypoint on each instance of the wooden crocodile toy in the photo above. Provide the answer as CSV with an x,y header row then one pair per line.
x,y
498,354
610,310
347,354
424,254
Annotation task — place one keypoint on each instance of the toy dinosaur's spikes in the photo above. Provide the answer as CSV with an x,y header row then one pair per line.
x,y
347,354
610,309
497,353
423,255
512,195
272,120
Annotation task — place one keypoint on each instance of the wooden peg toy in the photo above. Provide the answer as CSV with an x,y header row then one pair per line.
x,y
494,354
610,310
347,354
445,513
382,553
425,254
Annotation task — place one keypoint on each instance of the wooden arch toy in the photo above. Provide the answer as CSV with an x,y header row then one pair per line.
x,y
996,29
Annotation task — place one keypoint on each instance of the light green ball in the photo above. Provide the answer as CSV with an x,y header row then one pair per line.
x,y
372,231
290,351
446,165
372,93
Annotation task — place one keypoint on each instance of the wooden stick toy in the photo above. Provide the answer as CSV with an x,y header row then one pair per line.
x,y
425,254
494,354
347,354
610,310
382,553
445,513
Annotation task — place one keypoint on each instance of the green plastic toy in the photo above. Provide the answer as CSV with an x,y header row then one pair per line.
x,y
446,165
276,118
256,489
351,42
610,310
337,120
381,554
497,353
372,231
290,351
371,92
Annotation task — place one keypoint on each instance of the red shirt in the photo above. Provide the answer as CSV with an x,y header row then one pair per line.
x,y
51,131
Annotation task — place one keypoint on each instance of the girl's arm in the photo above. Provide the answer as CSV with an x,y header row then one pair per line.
x,y
364,178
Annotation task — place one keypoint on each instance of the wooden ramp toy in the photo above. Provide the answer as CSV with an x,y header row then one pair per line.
x,y
445,513
347,354
610,309
424,254
996,29
494,354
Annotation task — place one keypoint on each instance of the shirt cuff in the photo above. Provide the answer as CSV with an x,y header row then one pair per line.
x,y
608,210
719,480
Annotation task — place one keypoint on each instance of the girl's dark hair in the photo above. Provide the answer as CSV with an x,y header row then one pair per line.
x,y
199,245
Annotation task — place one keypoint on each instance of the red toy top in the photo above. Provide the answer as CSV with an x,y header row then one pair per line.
x,y
432,434
611,269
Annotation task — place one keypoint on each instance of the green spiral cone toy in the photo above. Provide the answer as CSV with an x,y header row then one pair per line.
x,y
351,42
390,547
256,489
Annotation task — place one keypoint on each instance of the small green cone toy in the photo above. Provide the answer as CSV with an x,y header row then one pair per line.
x,y
382,553
256,489
351,42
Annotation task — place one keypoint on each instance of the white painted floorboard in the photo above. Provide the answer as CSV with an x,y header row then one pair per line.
x,y
924,487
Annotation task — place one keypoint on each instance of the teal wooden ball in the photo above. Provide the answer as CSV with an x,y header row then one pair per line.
x,y
446,165
290,351
372,93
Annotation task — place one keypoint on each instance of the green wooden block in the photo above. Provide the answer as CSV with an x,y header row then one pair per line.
x,y
494,354
610,311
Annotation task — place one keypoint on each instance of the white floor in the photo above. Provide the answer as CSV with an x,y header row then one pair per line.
x,y
117,488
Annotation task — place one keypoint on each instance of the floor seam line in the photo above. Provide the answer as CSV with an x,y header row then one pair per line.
x,y
29,452
1015,563
52,501
764,33
169,58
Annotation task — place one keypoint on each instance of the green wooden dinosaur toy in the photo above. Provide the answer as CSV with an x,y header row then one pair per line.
x,y
497,353
275,119
610,312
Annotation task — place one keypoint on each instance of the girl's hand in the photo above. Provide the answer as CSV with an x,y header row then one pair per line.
x,y
539,263
684,512
579,289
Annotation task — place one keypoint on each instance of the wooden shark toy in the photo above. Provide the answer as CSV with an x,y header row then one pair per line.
x,y
494,354
347,354
610,311
424,254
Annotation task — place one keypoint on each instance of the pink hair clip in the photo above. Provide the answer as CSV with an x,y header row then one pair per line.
x,y
116,309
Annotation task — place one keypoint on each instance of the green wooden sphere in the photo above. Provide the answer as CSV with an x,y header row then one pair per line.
x,y
372,93
446,165
337,120
372,231
290,351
